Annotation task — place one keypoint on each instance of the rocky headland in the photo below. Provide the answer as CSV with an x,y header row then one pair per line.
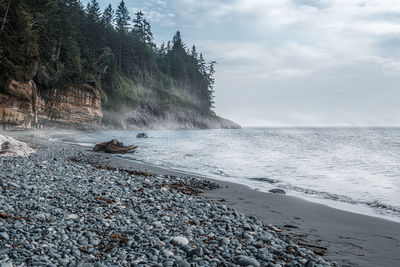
x,y
27,105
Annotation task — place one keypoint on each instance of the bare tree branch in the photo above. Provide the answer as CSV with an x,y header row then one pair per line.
x,y
5,16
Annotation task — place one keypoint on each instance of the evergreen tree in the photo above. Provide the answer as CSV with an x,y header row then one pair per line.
x,y
93,12
148,35
71,41
177,43
94,30
18,49
108,17
122,27
122,19
210,82
193,53
138,27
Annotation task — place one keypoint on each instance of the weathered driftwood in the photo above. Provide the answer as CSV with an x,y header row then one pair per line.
x,y
114,146
14,148
102,146
111,148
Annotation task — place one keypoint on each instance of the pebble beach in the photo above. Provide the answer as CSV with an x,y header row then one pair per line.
x,y
59,207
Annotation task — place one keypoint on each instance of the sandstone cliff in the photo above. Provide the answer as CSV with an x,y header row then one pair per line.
x,y
23,105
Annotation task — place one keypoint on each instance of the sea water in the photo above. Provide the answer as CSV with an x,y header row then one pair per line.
x,y
356,169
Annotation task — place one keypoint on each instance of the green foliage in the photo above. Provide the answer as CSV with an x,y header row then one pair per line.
x,y
73,44
122,19
108,17
72,59
18,43
127,93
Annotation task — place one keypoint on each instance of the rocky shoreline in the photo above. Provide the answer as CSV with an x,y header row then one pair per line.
x,y
61,207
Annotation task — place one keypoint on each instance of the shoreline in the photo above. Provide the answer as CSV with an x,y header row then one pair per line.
x,y
369,207
350,239
365,210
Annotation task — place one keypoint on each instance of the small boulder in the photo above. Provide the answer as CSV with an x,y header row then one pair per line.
x,y
196,252
167,253
247,261
72,216
266,237
4,235
277,191
179,241
141,135
181,263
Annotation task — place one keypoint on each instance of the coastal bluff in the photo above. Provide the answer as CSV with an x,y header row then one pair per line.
x,y
82,72
26,105
23,105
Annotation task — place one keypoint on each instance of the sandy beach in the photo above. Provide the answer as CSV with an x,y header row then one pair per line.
x,y
346,238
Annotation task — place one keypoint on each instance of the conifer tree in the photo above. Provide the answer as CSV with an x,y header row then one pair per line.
x,y
148,35
193,53
122,18
93,12
108,17
122,27
138,27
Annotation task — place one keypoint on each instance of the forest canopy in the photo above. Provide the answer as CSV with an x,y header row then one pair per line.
x,y
62,42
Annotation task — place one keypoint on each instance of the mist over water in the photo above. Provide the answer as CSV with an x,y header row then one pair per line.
x,y
356,169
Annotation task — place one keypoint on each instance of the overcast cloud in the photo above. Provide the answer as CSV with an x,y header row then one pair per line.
x,y
293,62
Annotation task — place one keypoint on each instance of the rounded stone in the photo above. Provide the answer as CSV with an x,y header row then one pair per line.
x,y
179,241
247,261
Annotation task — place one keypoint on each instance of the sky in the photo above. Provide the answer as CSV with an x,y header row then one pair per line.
x,y
292,62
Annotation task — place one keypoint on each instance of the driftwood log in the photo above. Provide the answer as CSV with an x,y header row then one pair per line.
x,y
114,146
102,146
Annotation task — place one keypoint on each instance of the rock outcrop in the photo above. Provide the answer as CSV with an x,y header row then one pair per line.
x,y
23,105
18,104
170,118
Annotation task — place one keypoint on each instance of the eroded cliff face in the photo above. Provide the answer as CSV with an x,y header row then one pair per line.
x,y
23,105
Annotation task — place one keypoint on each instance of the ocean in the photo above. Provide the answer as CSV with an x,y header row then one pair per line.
x,y
354,169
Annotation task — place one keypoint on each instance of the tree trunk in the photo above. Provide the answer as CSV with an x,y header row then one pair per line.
x,y
120,54
5,16
59,48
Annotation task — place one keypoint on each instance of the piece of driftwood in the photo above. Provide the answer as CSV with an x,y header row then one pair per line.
x,y
111,148
13,148
114,146
102,146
